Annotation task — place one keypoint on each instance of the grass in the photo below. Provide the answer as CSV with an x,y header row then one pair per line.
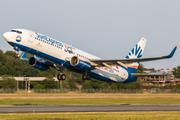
x,y
87,101
85,94
94,116
90,99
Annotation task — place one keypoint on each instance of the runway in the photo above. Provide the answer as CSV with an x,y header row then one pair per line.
x,y
86,108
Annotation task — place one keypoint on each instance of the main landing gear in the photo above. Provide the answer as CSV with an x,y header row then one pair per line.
x,y
61,76
86,77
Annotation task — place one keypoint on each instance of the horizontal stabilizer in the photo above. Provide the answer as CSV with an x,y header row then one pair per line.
x,y
147,75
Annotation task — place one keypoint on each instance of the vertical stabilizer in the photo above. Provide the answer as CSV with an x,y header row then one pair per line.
x,y
136,52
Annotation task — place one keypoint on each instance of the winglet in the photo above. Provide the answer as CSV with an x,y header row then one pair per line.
x,y
23,57
172,53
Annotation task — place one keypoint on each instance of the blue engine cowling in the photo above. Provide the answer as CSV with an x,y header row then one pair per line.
x,y
38,63
80,63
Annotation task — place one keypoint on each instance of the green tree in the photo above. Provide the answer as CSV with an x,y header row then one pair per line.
x,y
95,83
121,86
103,85
140,68
10,53
87,85
72,85
51,72
1,55
49,83
113,86
65,84
176,72
8,82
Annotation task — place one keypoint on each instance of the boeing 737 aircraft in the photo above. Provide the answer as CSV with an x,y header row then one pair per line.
x,y
48,52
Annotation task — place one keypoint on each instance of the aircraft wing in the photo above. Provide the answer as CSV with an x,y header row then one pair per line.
x,y
124,62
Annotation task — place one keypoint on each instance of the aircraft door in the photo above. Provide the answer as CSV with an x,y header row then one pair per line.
x,y
30,37
13,36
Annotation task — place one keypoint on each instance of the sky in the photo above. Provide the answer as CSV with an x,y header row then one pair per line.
x,y
108,29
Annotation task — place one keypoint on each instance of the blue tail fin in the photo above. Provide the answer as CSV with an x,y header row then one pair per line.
x,y
136,52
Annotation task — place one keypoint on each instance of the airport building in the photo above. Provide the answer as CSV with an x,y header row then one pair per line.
x,y
163,78
28,80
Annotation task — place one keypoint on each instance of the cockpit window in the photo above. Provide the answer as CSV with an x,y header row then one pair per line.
x,y
19,32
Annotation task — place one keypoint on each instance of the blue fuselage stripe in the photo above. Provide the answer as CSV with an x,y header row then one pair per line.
x,y
59,61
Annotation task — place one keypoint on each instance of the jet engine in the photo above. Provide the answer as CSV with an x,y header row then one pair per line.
x,y
38,63
80,63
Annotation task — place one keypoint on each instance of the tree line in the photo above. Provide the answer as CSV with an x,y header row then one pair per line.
x,y
15,67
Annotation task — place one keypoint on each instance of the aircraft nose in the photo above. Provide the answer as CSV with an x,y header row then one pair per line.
x,y
7,36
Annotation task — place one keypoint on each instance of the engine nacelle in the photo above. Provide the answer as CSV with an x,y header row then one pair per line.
x,y
38,63
80,63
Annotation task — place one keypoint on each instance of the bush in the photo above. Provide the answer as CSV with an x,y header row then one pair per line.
x,y
38,86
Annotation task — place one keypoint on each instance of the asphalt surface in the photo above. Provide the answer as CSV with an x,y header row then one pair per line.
x,y
86,108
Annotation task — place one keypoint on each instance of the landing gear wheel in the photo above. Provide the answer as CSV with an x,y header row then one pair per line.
x,y
61,76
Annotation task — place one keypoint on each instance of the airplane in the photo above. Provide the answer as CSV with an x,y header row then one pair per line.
x,y
48,52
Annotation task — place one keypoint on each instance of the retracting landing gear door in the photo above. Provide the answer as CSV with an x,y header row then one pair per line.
x,y
30,37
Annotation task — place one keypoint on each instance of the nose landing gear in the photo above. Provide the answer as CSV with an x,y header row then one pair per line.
x,y
16,49
17,55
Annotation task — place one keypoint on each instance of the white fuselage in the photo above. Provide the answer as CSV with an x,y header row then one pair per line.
x,y
59,53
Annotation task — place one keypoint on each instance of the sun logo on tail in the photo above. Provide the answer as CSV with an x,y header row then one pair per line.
x,y
136,52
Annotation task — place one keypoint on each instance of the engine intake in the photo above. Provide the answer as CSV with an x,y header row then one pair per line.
x,y
38,63
80,63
